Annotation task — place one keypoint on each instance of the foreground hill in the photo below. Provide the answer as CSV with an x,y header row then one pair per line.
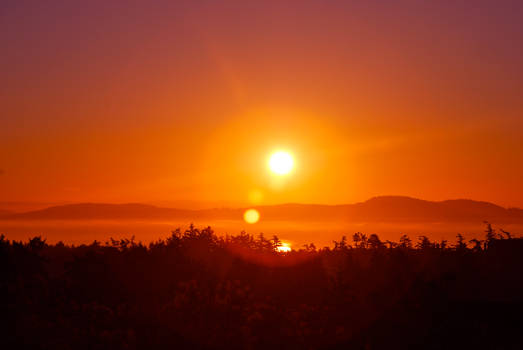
x,y
378,209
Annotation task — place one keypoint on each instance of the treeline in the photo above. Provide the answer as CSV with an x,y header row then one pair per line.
x,y
196,289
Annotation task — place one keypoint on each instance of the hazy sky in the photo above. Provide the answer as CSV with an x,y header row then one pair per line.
x,y
184,100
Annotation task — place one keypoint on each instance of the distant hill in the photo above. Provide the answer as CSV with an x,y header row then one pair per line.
x,y
5,213
377,209
397,209
101,211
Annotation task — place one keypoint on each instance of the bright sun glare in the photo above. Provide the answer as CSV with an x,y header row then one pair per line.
x,y
281,163
251,216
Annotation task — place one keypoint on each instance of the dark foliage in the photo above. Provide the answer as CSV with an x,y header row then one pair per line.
x,y
198,290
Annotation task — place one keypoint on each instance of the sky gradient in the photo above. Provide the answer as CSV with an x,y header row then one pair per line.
x,y
128,101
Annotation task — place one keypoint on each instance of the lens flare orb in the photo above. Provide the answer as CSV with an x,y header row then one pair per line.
x,y
251,216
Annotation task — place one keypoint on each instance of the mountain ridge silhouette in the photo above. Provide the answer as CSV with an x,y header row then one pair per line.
x,y
5,212
375,209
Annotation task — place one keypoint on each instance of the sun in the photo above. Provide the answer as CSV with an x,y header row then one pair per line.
x,y
281,163
251,216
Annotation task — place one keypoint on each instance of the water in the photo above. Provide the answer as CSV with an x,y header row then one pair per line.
x,y
295,233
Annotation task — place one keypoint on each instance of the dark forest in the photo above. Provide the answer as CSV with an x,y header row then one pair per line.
x,y
198,290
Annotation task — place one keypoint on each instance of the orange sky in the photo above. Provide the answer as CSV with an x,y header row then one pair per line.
x,y
185,101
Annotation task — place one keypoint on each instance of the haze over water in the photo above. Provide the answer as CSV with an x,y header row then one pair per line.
x,y
296,233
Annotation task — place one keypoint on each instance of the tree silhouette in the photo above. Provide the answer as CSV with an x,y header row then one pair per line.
x,y
477,244
490,235
424,243
405,242
460,243
374,242
360,240
342,244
